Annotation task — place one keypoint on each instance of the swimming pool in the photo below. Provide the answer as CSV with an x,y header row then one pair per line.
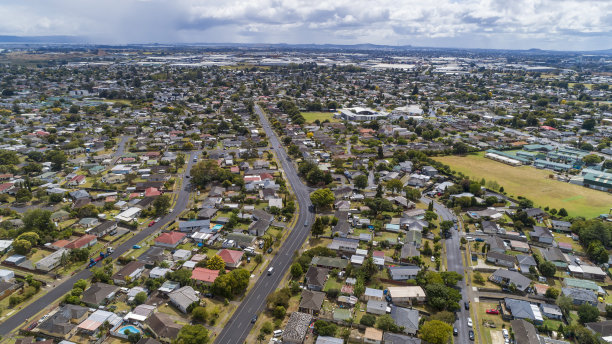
x,y
130,328
217,227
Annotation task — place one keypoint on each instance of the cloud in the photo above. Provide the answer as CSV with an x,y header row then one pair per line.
x,y
549,24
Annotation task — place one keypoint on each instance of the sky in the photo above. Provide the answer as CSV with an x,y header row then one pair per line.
x,y
498,24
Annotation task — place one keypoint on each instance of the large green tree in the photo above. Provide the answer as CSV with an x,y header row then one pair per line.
x,y
436,332
322,198
192,334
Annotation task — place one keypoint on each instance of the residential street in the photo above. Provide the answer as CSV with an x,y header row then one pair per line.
x,y
54,294
239,326
455,263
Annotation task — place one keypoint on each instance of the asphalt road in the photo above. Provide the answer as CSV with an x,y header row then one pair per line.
x,y
239,326
58,291
455,263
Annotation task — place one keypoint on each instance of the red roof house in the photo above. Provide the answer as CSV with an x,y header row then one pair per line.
x,y
84,241
150,192
204,275
231,258
169,239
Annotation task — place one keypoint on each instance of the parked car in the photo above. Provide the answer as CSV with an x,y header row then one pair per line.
x,y
469,322
466,304
505,333
136,247
471,334
151,223
254,319
455,331
492,311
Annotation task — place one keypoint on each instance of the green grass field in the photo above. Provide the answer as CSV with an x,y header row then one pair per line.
x,y
310,117
533,184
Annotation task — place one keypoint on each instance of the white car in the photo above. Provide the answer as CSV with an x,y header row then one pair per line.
x,y
433,259
469,322
505,333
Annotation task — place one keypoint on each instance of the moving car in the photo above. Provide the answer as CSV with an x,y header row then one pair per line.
x,y
254,319
270,271
492,311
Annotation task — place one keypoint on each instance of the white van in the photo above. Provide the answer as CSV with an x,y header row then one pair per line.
x,y
270,270
277,333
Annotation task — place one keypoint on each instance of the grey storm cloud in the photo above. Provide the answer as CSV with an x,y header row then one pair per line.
x,y
549,24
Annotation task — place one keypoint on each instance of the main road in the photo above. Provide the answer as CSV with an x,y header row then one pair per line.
x,y
58,291
455,263
240,325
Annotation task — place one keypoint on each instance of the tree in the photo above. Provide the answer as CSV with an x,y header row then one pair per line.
x,y
552,293
386,323
597,252
140,298
22,246
478,278
361,181
444,316
231,284
324,328
199,313
57,158
279,312
395,185
367,320
565,303
23,195
193,334
317,227
82,284
562,212
161,204
436,332
215,263
133,337
587,313
589,124
38,220
547,269
591,159
32,237
322,198
296,270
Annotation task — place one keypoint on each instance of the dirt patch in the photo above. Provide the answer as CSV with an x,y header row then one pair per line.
x,y
497,337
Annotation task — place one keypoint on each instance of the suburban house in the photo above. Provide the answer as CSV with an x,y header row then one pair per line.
x,y
183,298
98,294
580,296
232,258
403,273
376,307
407,318
316,278
205,276
407,295
63,321
541,235
520,309
524,332
311,302
102,229
169,239
501,259
163,326
129,272
296,328
507,278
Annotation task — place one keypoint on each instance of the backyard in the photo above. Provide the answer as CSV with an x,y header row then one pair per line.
x,y
533,184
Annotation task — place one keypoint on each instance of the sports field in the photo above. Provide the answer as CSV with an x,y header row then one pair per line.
x,y
533,184
310,117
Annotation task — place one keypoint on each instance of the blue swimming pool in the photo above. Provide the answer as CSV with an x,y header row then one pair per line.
x,y
217,227
130,328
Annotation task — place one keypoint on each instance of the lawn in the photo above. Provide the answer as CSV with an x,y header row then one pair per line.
x,y
310,117
533,184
